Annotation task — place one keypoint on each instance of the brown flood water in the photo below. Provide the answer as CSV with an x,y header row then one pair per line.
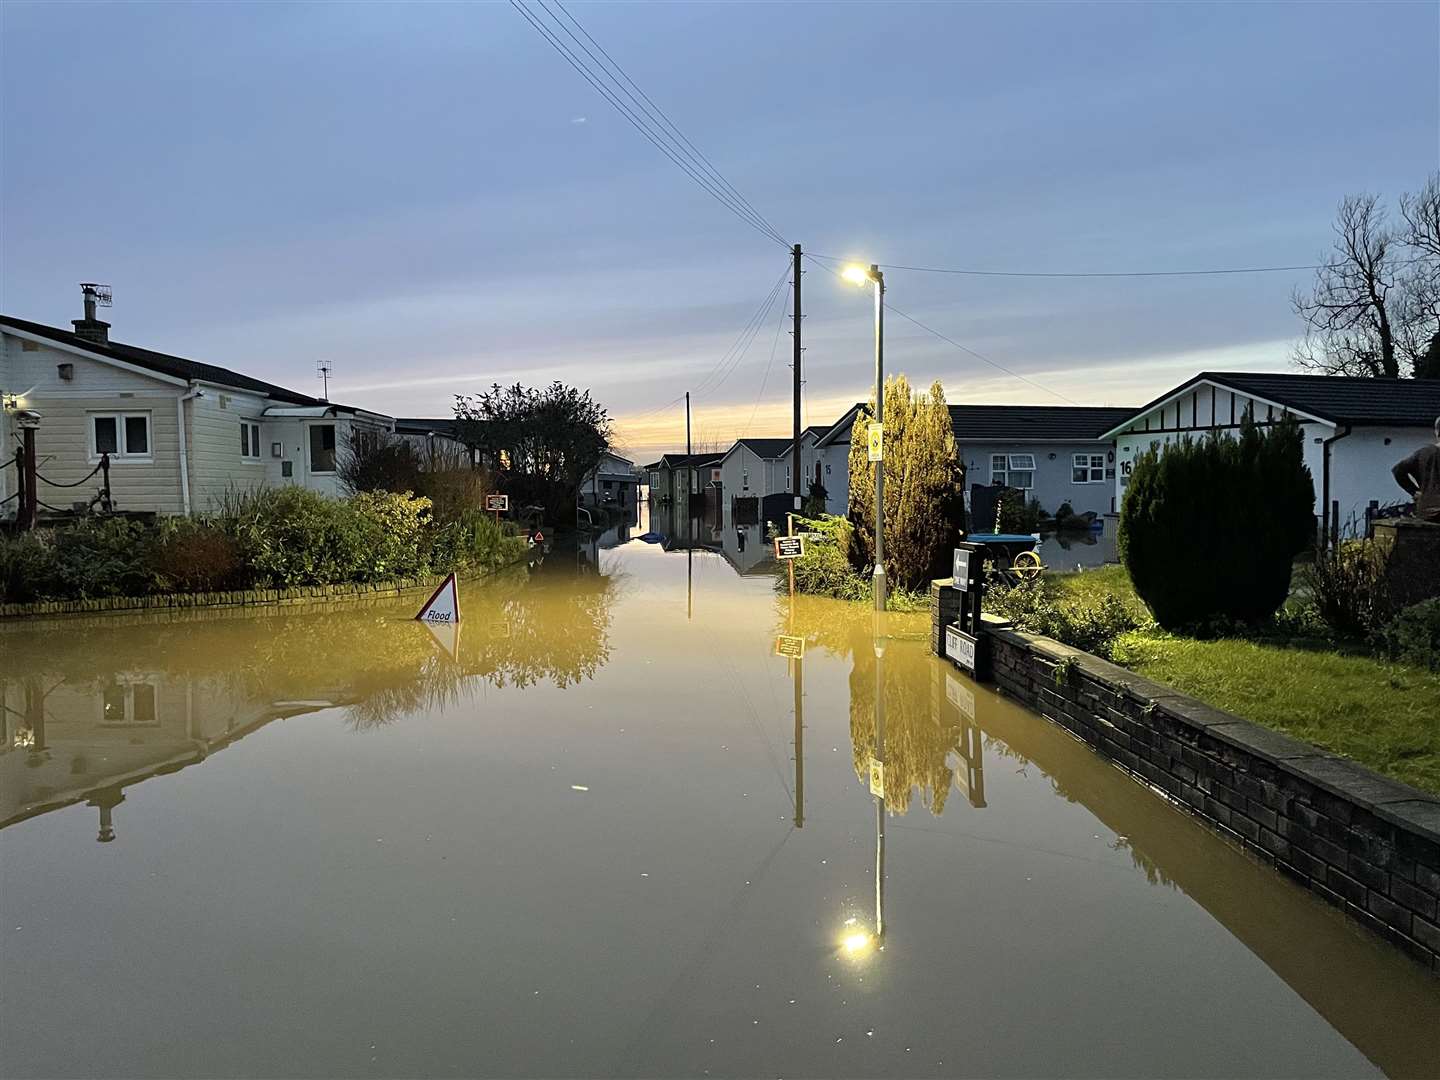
x,y
590,837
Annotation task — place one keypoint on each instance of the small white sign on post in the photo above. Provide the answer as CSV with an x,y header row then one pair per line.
x,y
875,433
497,502
443,605
877,777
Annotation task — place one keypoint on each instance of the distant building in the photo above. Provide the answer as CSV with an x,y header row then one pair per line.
x,y
1355,429
615,481
675,477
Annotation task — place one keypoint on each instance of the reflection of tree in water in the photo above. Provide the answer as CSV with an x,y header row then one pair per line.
x,y
519,628
923,737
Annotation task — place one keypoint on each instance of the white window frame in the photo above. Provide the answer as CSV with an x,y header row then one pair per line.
x,y
253,427
1013,463
1091,466
120,453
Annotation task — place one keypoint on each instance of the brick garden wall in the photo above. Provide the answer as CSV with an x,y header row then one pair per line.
x,y
1367,844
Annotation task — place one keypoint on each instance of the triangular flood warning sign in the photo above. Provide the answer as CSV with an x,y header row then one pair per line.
x,y
443,605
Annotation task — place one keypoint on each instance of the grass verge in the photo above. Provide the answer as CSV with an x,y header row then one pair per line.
x,y
1384,715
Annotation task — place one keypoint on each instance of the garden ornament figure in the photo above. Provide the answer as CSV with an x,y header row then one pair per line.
x,y
1419,475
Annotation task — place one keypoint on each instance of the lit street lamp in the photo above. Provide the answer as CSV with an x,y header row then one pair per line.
x,y
860,275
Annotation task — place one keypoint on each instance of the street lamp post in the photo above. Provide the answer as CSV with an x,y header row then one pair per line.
x,y
861,275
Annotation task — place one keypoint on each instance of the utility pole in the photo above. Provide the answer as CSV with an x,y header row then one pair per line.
x,y
795,466
687,422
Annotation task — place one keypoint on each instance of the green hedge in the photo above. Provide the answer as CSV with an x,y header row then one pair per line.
x,y
269,538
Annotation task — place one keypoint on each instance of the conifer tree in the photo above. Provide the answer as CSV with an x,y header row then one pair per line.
x,y
922,491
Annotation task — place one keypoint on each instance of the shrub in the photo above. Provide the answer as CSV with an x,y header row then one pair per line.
x,y
191,555
101,556
1209,528
826,568
376,460
1091,623
1014,515
1413,636
454,490
27,564
290,536
475,541
1347,584
393,528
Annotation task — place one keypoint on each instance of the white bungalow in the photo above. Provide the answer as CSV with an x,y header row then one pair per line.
x,y
179,433
1355,429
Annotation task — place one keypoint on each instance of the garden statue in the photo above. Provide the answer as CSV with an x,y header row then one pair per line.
x,y
1419,475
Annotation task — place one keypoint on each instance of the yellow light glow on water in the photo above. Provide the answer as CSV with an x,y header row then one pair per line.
x,y
856,274
857,942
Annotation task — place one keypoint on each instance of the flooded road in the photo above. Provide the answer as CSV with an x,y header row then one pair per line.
x,y
593,835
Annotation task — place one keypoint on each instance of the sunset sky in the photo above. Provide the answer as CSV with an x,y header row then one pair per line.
x,y
428,197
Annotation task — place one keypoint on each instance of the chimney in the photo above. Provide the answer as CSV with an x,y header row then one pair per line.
x,y
91,328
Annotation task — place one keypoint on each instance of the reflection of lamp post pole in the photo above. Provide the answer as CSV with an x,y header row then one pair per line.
x,y
106,800
859,275
880,756
797,674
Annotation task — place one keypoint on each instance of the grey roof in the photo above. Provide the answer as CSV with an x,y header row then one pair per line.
x,y
680,461
1034,423
767,448
1398,402
175,366
421,425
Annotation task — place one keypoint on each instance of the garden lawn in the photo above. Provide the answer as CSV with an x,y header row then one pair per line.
x,y
1385,716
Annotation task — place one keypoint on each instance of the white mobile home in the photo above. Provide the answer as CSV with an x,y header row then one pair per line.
x,y
1355,429
177,433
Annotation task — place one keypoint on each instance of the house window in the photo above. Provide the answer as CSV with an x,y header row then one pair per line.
x,y
121,435
129,701
322,448
1088,469
249,441
745,480
787,477
1013,470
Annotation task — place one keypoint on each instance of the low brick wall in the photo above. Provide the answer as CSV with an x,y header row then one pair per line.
x,y
1367,844
307,594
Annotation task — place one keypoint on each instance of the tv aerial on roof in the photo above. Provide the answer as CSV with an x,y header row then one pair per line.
x,y
103,294
323,370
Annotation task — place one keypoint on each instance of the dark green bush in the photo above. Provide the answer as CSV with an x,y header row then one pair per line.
x,y
1014,515
1209,528
1413,636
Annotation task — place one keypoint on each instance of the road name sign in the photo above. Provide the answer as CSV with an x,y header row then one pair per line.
x,y
960,695
791,646
875,433
789,547
960,648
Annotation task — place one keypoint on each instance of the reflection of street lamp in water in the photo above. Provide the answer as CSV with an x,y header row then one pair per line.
x,y
855,940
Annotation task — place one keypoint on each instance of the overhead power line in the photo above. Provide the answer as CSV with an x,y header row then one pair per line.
x,y
643,115
1088,273
963,348
780,325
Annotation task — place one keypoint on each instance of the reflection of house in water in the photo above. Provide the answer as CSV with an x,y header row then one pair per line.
x,y
114,701
69,741
745,549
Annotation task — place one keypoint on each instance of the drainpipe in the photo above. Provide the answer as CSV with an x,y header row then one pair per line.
x,y
193,392
1325,485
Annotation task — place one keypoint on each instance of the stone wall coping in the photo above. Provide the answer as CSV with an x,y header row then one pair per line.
x,y
1391,800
